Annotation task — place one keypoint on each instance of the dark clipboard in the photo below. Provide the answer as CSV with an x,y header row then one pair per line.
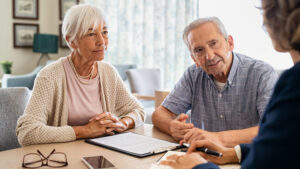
x,y
140,155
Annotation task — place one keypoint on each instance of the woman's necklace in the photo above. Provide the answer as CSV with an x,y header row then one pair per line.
x,y
79,77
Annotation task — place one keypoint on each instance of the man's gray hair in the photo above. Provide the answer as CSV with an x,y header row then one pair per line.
x,y
196,23
78,20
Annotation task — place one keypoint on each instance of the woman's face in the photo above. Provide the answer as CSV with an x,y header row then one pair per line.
x,y
93,44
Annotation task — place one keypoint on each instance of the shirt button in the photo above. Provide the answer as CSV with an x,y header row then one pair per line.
x,y
221,116
220,95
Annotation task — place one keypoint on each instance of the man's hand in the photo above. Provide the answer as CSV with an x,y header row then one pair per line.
x,y
199,134
187,161
229,155
179,127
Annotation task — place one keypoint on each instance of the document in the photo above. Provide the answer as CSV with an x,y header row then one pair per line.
x,y
134,144
164,157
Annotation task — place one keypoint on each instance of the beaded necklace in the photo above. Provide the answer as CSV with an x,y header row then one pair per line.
x,y
79,77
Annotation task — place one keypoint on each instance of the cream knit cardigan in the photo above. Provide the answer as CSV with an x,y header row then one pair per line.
x,y
46,116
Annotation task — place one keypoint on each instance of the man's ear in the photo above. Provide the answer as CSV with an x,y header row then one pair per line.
x,y
72,44
230,42
195,61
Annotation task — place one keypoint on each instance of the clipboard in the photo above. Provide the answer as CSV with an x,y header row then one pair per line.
x,y
134,144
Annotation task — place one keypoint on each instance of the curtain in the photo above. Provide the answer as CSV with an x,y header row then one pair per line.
x,y
148,33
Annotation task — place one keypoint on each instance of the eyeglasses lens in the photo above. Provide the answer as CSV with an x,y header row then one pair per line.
x,y
32,160
57,160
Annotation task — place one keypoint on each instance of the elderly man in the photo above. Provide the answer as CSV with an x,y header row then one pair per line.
x,y
226,92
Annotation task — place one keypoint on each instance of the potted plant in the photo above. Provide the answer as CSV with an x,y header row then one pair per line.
x,y
6,65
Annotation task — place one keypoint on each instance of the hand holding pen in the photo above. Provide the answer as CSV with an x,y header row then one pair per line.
x,y
205,150
218,154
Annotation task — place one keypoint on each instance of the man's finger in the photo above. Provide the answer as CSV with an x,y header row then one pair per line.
x,y
169,163
182,117
173,157
181,126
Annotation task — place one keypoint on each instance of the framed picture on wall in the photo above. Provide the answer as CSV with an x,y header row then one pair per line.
x,y
62,41
64,5
23,34
26,9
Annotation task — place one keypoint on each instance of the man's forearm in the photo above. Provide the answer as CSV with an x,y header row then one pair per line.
x,y
232,138
162,118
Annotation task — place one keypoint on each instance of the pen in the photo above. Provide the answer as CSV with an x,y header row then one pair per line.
x,y
206,150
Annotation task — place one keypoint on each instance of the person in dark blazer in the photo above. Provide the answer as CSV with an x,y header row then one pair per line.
x,y
277,145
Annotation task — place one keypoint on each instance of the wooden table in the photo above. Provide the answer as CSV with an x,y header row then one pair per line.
x,y
12,159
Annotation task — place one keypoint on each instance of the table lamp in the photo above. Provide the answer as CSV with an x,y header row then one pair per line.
x,y
45,43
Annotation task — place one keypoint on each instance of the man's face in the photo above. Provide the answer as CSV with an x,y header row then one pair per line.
x,y
210,50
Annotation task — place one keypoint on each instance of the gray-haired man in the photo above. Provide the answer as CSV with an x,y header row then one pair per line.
x,y
226,92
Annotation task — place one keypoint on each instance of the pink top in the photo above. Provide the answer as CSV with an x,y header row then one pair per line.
x,y
84,101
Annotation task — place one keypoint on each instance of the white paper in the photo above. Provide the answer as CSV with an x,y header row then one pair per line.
x,y
135,143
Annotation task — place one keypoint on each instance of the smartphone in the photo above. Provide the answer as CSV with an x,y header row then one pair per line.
x,y
98,162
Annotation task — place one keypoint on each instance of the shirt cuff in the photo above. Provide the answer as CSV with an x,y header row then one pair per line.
x,y
238,152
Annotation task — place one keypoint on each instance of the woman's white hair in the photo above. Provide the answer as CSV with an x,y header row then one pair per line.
x,y
78,20
196,23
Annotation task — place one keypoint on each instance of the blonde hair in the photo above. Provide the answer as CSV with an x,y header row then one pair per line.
x,y
78,20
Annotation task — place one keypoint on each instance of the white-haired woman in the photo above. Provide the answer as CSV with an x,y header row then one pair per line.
x,y
78,96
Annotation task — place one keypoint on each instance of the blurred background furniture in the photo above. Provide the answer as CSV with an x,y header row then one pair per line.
x,y
122,69
45,43
143,84
26,80
160,96
12,105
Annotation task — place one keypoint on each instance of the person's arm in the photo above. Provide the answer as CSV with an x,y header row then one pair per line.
x,y
161,118
232,138
32,126
228,138
167,122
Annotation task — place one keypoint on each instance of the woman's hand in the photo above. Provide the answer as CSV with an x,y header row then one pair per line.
x,y
97,126
229,155
117,126
122,125
187,161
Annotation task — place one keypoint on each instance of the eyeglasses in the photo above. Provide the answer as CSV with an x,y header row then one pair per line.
x,y
36,160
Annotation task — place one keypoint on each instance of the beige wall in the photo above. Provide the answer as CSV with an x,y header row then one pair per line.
x,y
24,60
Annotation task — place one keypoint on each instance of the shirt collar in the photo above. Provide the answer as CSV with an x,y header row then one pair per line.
x,y
234,67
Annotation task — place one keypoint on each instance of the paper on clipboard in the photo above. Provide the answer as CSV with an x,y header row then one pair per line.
x,y
134,144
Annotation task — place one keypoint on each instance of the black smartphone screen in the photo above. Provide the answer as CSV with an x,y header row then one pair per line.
x,y
98,162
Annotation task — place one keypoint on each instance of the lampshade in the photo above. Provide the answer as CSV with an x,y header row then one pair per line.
x,y
45,43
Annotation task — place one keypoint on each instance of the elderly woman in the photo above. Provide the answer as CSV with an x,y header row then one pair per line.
x,y
79,96
277,144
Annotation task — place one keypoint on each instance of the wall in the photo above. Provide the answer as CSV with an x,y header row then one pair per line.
x,y
24,60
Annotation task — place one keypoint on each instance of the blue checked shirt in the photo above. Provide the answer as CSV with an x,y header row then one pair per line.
x,y
239,105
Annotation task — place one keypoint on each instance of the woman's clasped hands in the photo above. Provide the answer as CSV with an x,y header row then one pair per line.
x,y
107,124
